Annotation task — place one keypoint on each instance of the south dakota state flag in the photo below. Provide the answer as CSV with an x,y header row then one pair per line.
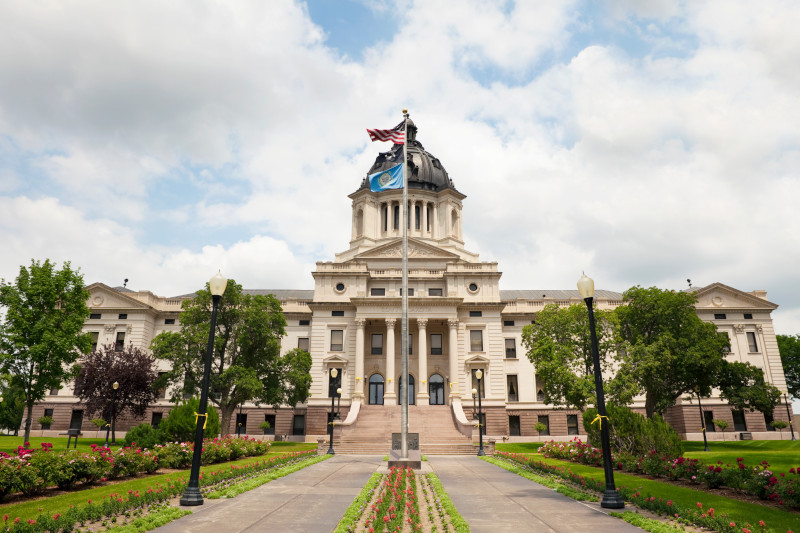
x,y
387,179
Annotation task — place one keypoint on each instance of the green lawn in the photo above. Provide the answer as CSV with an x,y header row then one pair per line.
x,y
58,504
781,455
518,447
737,511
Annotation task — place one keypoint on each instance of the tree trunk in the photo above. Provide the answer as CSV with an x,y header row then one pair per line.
x,y
649,406
28,421
225,418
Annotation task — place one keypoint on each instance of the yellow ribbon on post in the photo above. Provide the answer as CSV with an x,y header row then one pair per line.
x,y
198,415
599,419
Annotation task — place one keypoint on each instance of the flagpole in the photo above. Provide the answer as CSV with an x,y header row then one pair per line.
x,y
404,322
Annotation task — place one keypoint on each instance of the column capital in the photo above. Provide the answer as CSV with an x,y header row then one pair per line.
x,y
360,322
452,322
422,323
390,322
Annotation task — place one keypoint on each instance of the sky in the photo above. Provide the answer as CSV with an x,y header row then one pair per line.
x,y
643,142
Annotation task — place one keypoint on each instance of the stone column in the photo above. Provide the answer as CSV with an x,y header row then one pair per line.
x,y
358,392
455,385
422,366
389,396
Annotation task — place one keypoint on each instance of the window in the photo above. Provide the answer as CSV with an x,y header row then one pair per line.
x,y
748,316
385,216
751,342
337,340
337,313
377,344
572,424
339,287
719,316
739,423
49,412
169,321
513,389
302,343
482,387
95,336
305,322
727,348
513,425
476,313
270,419
76,420
435,292
416,217
162,392
299,425
410,291
410,344
241,423
508,323
155,419
767,420
544,419
123,316
396,223
54,391
377,292
436,344
94,316
473,287
708,417
120,344
511,348
476,340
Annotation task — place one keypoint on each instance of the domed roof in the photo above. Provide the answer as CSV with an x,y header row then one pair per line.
x,y
425,171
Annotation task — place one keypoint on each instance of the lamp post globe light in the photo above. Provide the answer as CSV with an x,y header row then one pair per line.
x,y
192,494
481,453
334,373
611,498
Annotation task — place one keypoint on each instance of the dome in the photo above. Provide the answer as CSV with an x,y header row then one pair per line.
x,y
425,170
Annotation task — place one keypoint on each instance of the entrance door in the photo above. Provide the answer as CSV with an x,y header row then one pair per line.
x,y
376,389
412,394
436,389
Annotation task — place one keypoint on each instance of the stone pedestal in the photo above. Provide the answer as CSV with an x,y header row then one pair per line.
x,y
414,459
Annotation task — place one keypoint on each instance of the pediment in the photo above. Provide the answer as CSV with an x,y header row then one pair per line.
x,y
102,296
416,250
334,361
477,360
721,296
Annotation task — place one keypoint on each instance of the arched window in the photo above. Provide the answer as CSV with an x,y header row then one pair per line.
x,y
359,222
376,389
454,223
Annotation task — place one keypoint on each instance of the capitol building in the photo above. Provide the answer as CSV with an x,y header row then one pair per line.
x,y
460,322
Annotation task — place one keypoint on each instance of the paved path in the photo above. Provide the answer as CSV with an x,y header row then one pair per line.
x,y
311,500
494,500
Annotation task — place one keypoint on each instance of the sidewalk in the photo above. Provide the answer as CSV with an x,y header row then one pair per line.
x,y
313,500
494,500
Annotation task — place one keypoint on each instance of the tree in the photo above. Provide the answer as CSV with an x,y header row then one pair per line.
x,y
789,346
13,404
559,346
134,370
667,350
780,425
246,362
743,386
41,337
721,424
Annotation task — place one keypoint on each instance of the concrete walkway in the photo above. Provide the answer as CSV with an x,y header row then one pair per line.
x,y
494,500
313,500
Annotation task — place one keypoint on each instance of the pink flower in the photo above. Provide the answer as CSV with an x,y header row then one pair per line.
x,y
699,505
733,524
761,523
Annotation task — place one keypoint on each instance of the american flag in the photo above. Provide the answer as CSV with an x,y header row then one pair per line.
x,y
396,134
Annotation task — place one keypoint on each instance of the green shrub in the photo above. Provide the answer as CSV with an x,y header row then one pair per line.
x,y
180,425
632,433
145,436
46,421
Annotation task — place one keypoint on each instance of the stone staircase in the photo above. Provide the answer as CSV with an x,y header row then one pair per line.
x,y
372,432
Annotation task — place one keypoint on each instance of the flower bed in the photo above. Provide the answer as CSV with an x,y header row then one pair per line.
x,y
134,503
30,472
757,480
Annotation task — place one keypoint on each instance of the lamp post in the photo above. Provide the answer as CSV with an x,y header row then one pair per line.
x,y
339,403
702,418
192,494
334,373
474,410
481,453
611,498
114,388
789,414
